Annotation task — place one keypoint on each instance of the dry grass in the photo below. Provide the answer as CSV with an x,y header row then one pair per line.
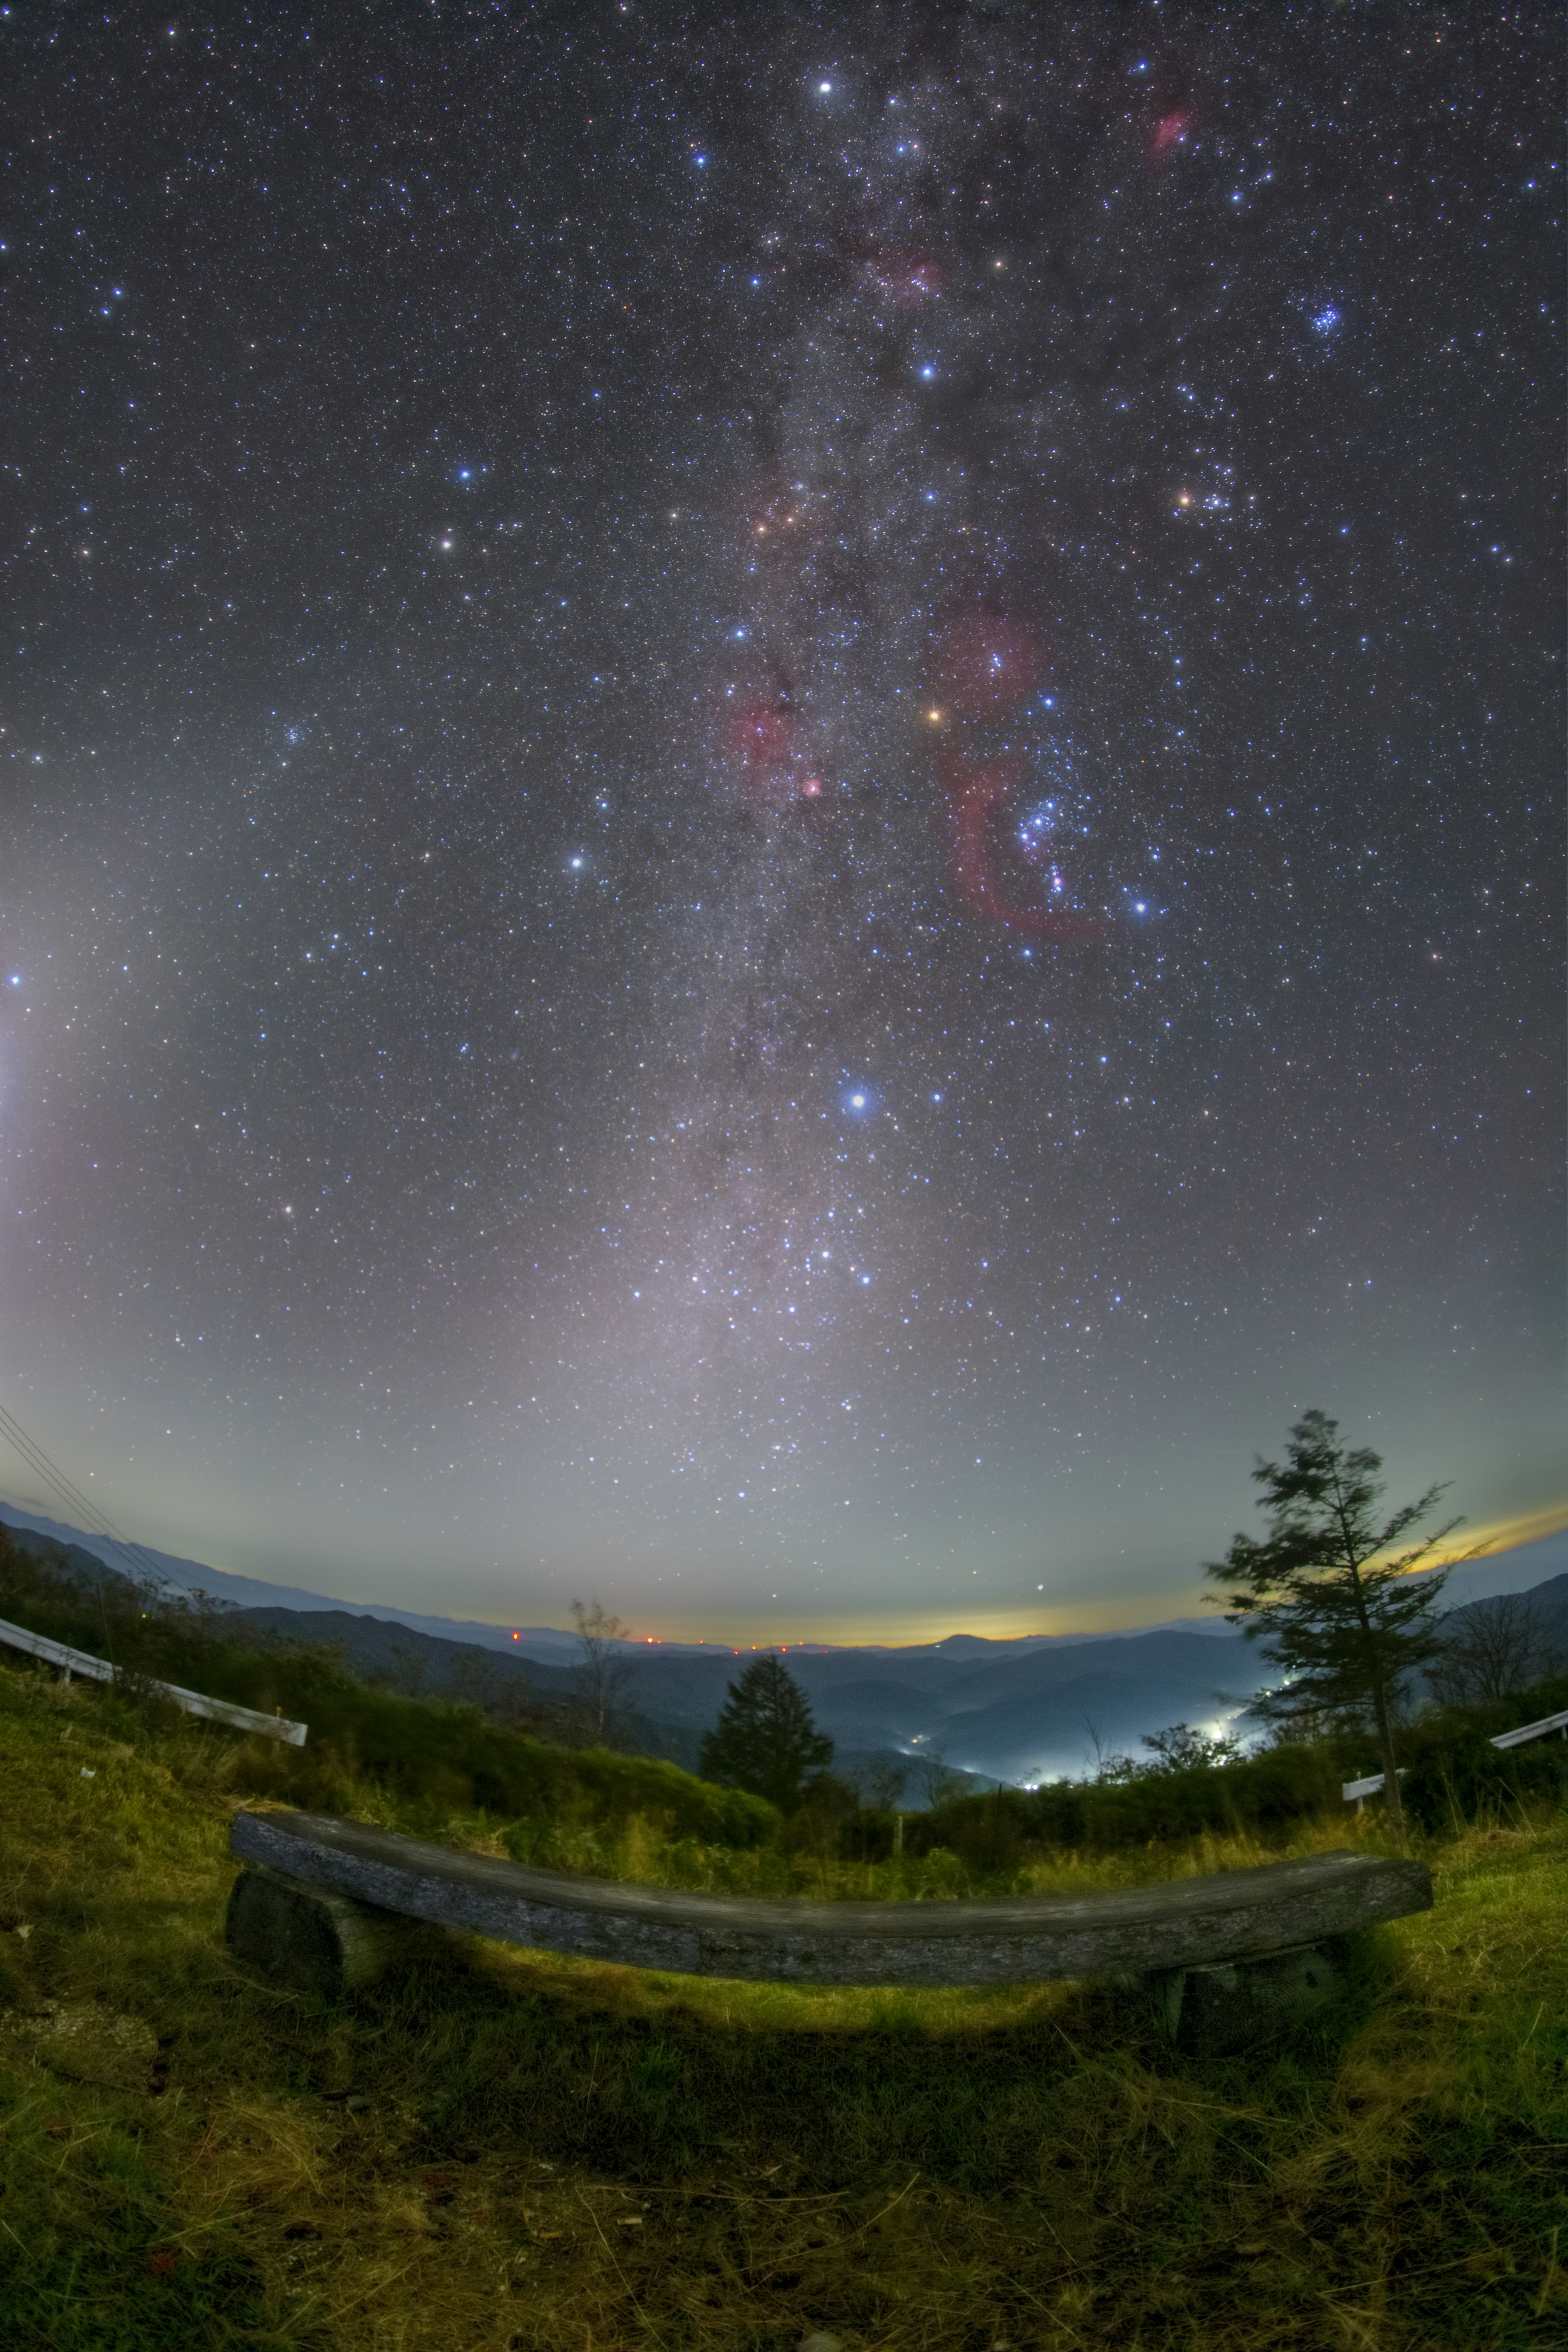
x,y
499,2148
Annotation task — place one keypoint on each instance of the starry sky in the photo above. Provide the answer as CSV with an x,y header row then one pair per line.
x,y
781,792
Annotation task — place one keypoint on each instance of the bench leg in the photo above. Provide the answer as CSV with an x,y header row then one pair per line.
x,y
1215,2011
306,1937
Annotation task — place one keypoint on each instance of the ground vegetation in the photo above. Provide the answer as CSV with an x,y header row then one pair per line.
x,y
496,2149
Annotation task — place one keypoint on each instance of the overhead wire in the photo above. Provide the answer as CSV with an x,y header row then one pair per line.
x,y
90,1517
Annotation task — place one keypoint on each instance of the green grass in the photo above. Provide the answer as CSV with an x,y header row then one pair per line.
x,y
498,2148
414,1761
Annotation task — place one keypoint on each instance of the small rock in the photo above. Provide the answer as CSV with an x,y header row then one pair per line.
x,y
821,2342
89,1773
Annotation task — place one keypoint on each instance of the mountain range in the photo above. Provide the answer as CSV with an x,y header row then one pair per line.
x,y
1039,1708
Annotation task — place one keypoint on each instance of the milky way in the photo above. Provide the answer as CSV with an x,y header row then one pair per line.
x,y
783,795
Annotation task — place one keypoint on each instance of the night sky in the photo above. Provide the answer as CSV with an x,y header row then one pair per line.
x,y
781,792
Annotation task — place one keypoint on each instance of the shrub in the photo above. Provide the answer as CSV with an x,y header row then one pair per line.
x,y
1458,1777
1265,1794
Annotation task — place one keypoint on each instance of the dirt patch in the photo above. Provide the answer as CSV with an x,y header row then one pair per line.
x,y
86,2044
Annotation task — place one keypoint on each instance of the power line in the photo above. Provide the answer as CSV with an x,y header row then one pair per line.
x,y
80,1507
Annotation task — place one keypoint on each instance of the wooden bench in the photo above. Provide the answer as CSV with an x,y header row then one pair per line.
x,y
1224,1955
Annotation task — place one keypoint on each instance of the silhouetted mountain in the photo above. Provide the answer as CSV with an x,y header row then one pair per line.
x,y
383,1650
1550,1605
1039,1708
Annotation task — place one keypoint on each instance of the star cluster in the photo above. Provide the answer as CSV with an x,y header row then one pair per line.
x,y
782,792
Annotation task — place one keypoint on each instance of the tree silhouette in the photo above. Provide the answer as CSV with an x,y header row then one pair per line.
x,y
766,1740
600,1677
1493,1648
938,1781
1341,1617
1182,1748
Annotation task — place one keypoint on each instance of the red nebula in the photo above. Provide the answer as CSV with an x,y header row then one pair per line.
x,y
976,796
811,789
987,664
906,278
762,734
1169,132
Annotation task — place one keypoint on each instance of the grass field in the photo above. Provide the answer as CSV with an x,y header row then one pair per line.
x,y
500,2149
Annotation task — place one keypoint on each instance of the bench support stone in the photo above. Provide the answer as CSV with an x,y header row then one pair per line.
x,y
307,1937
1215,2011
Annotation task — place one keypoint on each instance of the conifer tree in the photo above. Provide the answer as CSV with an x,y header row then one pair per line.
x,y
766,1740
1341,1616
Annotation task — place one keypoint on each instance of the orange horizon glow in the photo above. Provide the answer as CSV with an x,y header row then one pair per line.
x,y
1467,1546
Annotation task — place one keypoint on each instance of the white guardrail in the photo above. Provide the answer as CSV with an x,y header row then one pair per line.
x,y
1372,1785
98,1670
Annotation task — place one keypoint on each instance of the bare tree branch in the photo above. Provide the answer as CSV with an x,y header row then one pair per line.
x,y
1492,1649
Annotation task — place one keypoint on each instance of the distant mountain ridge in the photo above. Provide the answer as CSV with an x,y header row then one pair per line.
x,y
1043,1706
542,1641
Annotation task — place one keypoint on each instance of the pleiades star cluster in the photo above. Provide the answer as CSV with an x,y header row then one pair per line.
x,y
781,789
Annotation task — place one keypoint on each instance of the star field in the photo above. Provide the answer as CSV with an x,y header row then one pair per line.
x,y
783,794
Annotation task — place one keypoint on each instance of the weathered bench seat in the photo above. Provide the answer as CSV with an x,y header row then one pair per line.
x,y
299,1911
